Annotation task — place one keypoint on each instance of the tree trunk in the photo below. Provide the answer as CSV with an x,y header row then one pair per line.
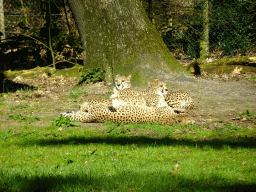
x,y
118,36
2,25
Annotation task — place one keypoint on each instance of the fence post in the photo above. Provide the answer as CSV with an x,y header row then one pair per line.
x,y
204,42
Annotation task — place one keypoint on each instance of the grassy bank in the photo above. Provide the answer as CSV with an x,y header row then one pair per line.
x,y
133,157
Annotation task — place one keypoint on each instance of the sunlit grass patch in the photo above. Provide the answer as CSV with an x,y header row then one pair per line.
x,y
76,93
174,158
22,118
247,114
2,102
20,106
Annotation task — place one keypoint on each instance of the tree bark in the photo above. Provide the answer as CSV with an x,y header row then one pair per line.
x,y
118,36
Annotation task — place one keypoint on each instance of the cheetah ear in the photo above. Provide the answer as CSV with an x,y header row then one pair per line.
x,y
117,75
129,77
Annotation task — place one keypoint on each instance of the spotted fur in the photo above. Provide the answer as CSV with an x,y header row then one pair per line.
x,y
179,99
150,100
130,114
155,87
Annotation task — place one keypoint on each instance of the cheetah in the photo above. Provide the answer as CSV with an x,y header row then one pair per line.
x,y
175,99
130,114
178,100
150,100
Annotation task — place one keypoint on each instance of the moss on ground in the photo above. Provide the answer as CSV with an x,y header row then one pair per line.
x,y
227,65
32,73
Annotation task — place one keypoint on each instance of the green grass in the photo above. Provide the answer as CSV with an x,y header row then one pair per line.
x,y
20,106
1,102
134,157
75,93
247,114
22,118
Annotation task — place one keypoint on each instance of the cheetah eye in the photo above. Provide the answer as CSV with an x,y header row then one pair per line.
x,y
161,85
122,80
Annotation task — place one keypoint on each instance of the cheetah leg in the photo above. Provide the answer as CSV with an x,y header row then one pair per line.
x,y
79,116
86,105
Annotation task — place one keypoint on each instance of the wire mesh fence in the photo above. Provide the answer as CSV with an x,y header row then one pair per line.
x,y
190,28
222,27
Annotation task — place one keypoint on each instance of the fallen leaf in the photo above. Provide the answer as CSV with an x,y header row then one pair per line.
x,y
176,166
237,70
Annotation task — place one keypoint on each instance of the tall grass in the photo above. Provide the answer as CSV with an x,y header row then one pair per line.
x,y
141,157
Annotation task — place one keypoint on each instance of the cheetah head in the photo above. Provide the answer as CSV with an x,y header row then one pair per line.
x,y
158,87
122,82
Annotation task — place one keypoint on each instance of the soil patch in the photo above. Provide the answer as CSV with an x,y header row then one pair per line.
x,y
216,102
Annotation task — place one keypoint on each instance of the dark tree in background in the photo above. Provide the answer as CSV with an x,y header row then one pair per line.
x,y
118,37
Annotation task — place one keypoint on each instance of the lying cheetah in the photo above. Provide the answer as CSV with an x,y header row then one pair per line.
x,y
133,109
130,114
151,100
175,99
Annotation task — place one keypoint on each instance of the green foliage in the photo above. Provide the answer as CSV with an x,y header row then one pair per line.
x,y
64,122
247,114
74,94
92,75
22,118
231,27
19,106
1,101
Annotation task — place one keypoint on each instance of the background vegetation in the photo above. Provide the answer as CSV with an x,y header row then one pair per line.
x,y
231,30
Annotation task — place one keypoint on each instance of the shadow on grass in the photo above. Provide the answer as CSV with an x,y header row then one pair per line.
x,y
122,181
144,141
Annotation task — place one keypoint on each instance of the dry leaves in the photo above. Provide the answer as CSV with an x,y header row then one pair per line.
x,y
176,167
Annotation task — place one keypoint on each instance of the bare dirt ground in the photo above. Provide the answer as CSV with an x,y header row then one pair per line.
x,y
216,102
219,101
